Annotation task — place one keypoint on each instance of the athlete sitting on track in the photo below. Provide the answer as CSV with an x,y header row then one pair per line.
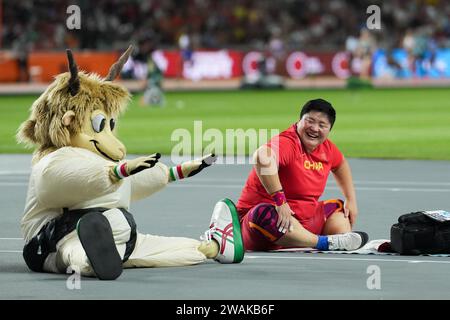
x,y
279,206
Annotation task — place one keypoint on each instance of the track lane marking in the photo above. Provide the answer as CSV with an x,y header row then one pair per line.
x,y
347,259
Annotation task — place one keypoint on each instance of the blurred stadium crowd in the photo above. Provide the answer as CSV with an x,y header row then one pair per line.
x,y
291,24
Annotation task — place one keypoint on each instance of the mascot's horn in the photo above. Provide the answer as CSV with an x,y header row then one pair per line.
x,y
117,67
74,82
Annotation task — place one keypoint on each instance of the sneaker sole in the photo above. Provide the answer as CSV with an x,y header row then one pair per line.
x,y
95,234
237,235
364,237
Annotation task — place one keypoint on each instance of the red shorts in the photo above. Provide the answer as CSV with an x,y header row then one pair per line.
x,y
257,239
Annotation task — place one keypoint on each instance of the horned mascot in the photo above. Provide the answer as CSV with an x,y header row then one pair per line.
x,y
81,186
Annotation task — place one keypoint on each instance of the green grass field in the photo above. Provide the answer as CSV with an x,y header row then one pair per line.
x,y
400,123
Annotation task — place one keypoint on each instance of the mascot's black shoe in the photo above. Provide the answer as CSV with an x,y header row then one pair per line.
x,y
97,240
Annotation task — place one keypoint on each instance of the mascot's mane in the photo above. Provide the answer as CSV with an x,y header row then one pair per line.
x,y
74,91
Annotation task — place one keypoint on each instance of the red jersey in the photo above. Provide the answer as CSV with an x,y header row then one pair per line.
x,y
303,176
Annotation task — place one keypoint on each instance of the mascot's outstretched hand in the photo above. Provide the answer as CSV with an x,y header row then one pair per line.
x,y
191,168
130,167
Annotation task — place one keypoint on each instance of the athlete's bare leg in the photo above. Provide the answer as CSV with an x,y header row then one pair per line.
x,y
337,223
298,237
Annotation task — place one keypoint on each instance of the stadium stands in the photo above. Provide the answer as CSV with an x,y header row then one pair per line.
x,y
109,24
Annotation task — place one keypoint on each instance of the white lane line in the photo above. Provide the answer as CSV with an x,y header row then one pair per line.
x,y
312,258
242,180
424,183
346,259
419,183
239,186
394,189
10,173
221,186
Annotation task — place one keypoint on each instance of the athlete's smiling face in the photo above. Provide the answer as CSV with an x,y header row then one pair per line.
x,y
97,135
313,129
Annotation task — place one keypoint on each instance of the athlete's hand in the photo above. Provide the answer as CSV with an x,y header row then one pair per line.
x,y
350,211
285,214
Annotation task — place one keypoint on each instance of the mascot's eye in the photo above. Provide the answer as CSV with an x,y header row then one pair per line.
x,y
98,123
112,124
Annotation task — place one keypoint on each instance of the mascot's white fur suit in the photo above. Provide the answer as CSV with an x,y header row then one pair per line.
x,y
80,189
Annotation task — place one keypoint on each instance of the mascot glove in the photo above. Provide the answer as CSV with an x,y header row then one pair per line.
x,y
134,166
191,168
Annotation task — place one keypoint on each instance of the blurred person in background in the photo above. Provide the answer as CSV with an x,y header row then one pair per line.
x,y
421,52
276,49
365,50
186,51
153,94
351,47
408,44
21,50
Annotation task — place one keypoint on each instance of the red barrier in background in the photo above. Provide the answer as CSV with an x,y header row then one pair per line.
x,y
9,68
43,66
295,65
227,64
222,64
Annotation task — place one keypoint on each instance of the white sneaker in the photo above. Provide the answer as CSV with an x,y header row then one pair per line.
x,y
226,230
347,241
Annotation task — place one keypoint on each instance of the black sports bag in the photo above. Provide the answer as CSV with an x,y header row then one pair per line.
x,y
422,232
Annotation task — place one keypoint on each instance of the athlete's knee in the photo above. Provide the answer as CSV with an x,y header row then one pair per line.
x,y
332,206
263,218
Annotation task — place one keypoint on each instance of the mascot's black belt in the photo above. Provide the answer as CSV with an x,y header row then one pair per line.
x,y
40,246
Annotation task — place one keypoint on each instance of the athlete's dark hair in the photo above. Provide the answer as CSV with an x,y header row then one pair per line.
x,y
320,105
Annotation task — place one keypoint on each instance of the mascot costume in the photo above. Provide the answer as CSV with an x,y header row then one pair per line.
x,y
80,188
